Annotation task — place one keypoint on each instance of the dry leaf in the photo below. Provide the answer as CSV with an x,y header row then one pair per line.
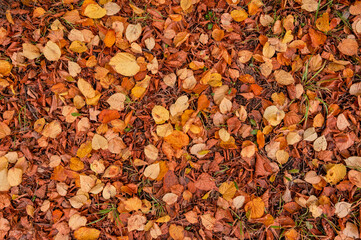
x,y
4,130
208,221
78,47
170,198
152,171
348,47
4,183
354,177
76,221
30,51
136,222
116,101
179,106
255,208
320,144
309,5
86,233
160,114
151,152
133,32
52,51
336,173
312,177
94,11
99,142
185,4
78,201
15,176
323,22
176,232
284,78
342,209
239,15
112,8
52,130
273,115
227,189
125,64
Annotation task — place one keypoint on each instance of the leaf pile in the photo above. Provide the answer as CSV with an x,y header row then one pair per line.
x,y
183,119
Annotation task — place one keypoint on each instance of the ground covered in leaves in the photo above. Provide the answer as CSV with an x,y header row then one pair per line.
x,y
190,119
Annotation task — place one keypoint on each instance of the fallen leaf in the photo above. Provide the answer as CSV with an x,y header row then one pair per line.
x,y
336,173
76,221
348,47
152,171
94,11
125,64
342,209
86,233
284,78
255,208
227,189
136,222
273,115
160,114
133,32
52,51
309,5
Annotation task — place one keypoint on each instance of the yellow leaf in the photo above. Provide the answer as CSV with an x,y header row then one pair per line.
x,y
52,51
160,114
133,204
9,17
227,189
78,46
136,9
336,173
125,64
185,4
323,23
85,233
84,149
94,11
255,208
239,15
15,176
75,164
137,92
215,80
164,219
86,88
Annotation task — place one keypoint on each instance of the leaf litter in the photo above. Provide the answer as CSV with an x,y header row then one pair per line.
x,y
180,120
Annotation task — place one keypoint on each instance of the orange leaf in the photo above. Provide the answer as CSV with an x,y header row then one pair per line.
x,y
218,34
317,38
203,102
260,139
108,115
177,139
109,39
256,89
